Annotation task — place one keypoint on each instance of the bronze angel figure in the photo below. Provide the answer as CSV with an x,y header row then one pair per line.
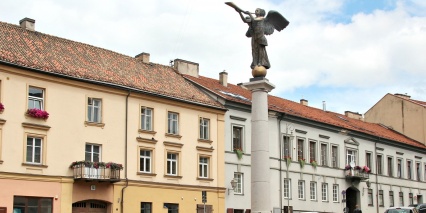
x,y
259,26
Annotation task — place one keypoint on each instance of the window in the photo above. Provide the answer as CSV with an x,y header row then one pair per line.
x,y
93,153
287,188
370,197
237,138
401,198
350,156
418,172
334,157
32,204
286,147
146,207
301,189
146,118
368,160
335,193
410,199
172,164
35,98
399,168
145,161
238,177
203,167
409,169
391,199
381,202
324,191
300,154
204,128
172,207
390,166
324,155
34,150
173,123
379,164
313,190
94,110
312,151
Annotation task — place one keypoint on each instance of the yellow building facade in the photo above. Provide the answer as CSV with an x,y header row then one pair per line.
x,y
84,129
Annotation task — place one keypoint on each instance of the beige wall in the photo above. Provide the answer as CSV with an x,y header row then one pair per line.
x,y
65,134
401,115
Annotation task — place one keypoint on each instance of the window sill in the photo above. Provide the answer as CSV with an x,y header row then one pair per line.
x,y
205,141
147,131
146,140
34,165
88,123
173,176
146,174
205,179
173,135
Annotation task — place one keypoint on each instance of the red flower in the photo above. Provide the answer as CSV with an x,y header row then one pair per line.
x,y
38,113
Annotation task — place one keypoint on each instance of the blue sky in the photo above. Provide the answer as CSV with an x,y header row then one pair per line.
x,y
348,53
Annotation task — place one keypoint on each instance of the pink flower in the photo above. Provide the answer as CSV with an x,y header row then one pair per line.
x,y
1,107
38,113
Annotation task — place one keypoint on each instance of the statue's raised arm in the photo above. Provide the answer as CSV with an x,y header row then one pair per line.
x,y
259,26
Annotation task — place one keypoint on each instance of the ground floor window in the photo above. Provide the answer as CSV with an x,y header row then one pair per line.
x,y
32,204
172,207
146,207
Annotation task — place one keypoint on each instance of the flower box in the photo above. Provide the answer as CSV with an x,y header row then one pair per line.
x,y
37,113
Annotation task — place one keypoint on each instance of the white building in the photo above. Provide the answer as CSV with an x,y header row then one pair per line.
x,y
328,139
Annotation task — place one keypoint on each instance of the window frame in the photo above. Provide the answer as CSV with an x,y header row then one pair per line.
x,y
409,169
391,199
91,110
287,188
390,166
369,161
146,119
399,168
370,199
324,154
170,163
401,198
301,189
92,159
204,167
313,190
145,158
241,139
324,192
288,152
334,159
173,123
41,147
39,203
35,98
145,209
204,133
353,156
379,164
239,183
381,199
418,171
410,198
336,193
300,148
312,150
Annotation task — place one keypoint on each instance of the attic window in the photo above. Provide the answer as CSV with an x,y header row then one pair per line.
x,y
235,95
341,117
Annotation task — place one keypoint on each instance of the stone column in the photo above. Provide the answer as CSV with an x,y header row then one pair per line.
x,y
260,181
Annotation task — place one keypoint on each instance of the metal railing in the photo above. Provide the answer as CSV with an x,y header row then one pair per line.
x,y
83,172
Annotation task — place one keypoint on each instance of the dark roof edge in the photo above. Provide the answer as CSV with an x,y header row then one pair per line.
x,y
126,88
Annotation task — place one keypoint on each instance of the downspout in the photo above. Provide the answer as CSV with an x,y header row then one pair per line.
x,y
377,182
279,119
125,153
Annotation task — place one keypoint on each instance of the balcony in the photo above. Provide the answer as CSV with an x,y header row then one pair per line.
x,y
96,171
356,175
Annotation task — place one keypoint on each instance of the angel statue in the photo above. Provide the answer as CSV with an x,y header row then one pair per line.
x,y
260,26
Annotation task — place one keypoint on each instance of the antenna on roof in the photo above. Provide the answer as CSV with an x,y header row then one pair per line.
x,y
171,62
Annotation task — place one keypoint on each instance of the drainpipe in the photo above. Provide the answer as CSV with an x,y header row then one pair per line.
x,y
377,182
279,119
125,153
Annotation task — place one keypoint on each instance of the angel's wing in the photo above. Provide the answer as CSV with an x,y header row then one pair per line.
x,y
274,20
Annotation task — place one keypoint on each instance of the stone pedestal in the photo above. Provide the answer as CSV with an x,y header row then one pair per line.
x,y
260,178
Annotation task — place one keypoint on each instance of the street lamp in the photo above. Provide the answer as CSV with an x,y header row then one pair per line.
x,y
233,185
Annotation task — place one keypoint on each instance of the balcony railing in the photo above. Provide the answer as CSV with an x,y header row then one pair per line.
x,y
90,173
356,174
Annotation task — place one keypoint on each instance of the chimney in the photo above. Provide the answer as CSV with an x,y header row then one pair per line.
x,y
304,102
144,57
27,23
186,67
323,106
403,96
223,78
354,115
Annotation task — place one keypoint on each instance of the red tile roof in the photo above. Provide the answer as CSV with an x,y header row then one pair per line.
x,y
296,109
56,55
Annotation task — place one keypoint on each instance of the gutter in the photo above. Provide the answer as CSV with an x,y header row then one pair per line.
x,y
125,152
279,119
